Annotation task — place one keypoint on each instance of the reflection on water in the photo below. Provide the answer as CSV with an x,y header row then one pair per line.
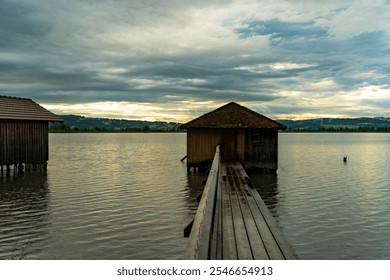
x,y
267,186
128,196
25,215
329,209
195,186
105,196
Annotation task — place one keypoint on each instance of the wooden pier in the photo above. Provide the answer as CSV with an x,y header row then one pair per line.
x,y
232,222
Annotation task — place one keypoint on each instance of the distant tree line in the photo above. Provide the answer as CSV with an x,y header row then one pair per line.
x,y
75,123
61,127
363,124
339,129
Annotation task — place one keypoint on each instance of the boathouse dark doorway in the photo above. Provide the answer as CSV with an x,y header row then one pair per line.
x,y
229,145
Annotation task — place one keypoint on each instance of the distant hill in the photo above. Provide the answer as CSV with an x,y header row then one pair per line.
x,y
74,123
339,124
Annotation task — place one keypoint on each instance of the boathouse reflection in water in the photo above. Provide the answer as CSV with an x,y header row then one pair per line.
x,y
25,222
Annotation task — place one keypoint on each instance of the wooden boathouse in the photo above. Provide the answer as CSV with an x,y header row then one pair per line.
x,y
24,134
244,135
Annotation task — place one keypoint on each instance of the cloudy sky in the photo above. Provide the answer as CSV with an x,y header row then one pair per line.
x,y
176,59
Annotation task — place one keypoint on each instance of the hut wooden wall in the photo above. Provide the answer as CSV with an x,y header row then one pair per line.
x,y
261,149
23,142
241,145
201,143
233,144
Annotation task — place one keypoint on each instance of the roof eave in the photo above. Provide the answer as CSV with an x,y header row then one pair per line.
x,y
54,120
182,127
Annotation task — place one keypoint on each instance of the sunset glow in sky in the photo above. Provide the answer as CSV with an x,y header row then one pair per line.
x,y
173,60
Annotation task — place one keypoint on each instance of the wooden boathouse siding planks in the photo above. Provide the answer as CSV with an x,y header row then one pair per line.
x,y
23,142
24,133
232,221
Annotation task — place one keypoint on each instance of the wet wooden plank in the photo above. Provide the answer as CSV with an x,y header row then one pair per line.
x,y
228,235
270,246
216,240
255,239
244,251
271,231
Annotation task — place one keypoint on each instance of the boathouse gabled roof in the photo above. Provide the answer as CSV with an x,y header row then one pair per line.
x,y
15,108
233,115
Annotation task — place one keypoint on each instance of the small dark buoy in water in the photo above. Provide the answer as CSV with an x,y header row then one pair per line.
x,y
345,159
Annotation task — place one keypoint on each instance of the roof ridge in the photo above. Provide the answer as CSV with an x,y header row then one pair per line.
x,y
212,111
15,97
253,111
233,115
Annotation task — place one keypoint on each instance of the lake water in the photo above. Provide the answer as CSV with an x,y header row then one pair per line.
x,y
128,196
327,208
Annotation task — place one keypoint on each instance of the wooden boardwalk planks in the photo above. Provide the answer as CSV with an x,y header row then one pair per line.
x,y
229,248
242,226
249,219
256,234
274,240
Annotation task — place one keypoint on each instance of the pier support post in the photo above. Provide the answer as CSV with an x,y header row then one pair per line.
x,y
8,170
20,168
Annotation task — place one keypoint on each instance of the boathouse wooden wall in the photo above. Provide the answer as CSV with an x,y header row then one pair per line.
x,y
201,143
23,141
261,149
254,148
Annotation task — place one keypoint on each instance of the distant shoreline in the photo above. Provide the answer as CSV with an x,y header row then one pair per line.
x,y
111,131
184,131
341,132
80,124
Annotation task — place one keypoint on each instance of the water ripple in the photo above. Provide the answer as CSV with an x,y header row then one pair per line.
x,y
106,196
330,209
128,196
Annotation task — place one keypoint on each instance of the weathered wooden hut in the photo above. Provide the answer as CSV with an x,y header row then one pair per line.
x,y
244,135
24,137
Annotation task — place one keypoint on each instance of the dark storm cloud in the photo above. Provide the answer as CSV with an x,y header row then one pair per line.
x,y
281,54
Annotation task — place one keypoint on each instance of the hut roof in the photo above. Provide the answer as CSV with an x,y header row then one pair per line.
x,y
14,108
233,115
